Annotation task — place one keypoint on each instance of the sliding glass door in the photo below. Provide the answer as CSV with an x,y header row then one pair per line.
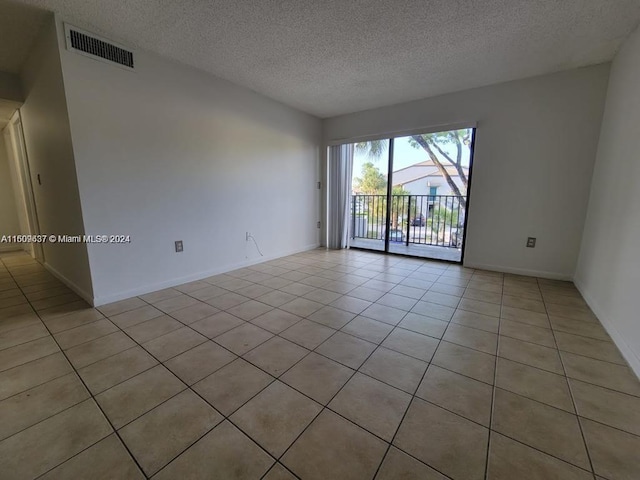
x,y
410,194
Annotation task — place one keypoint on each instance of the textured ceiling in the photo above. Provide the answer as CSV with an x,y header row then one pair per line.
x,y
19,26
339,56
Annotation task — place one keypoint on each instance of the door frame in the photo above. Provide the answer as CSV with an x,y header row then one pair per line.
x,y
18,153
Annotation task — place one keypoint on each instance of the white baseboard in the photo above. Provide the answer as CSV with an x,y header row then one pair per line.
x,y
80,291
627,352
97,301
520,271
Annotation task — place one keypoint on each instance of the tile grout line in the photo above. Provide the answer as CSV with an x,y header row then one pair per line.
x,y
114,430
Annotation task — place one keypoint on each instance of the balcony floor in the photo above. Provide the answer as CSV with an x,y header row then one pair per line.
x,y
450,254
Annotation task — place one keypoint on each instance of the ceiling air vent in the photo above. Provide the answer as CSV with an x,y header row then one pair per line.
x,y
97,48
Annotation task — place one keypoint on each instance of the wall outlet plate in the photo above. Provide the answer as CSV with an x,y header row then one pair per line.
x,y
531,242
179,246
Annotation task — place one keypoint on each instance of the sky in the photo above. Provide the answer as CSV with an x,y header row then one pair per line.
x,y
404,155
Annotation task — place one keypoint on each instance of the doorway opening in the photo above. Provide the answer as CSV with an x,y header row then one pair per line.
x,y
19,216
410,194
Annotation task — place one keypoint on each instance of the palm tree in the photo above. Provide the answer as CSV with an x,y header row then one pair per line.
x,y
432,144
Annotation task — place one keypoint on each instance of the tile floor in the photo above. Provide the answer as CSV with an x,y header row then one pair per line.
x,y
322,365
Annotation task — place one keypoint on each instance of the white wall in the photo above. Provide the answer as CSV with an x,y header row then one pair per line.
x,y
608,272
9,224
169,153
534,155
49,150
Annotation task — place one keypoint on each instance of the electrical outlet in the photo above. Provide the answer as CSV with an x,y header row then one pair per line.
x,y
247,235
531,242
179,246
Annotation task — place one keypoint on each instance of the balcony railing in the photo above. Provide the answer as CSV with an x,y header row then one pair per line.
x,y
436,220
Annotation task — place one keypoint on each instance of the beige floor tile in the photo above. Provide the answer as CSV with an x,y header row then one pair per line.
x,y
371,295
41,402
434,310
66,322
346,349
457,393
85,333
27,352
226,451
367,329
22,335
175,302
424,325
199,362
489,297
276,416
322,296
510,460
194,312
525,316
17,322
351,304
276,320
301,307
160,295
318,377
449,443
589,347
373,405
243,338
41,447
154,328
540,385
615,409
486,342
99,349
31,374
254,291
397,301
399,465
298,289
207,293
476,320
135,316
579,327
62,310
106,373
227,300
527,333
276,355
466,361
173,343
478,306
384,314
331,317
278,472
394,368
216,324
411,343
575,313
614,453
604,374
191,286
276,298
106,460
163,433
546,428
524,303
231,386
332,447
54,301
530,354
122,306
249,310
130,399
307,333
